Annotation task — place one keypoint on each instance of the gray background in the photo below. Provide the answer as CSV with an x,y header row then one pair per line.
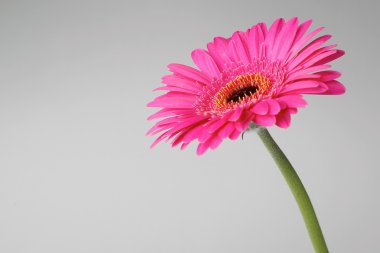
x,y
76,173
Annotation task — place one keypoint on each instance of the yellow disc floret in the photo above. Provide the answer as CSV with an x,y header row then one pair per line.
x,y
242,89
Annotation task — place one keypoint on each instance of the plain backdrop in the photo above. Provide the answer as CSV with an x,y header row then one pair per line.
x,y
76,171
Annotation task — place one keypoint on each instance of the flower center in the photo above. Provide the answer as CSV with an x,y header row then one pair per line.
x,y
240,86
242,89
241,93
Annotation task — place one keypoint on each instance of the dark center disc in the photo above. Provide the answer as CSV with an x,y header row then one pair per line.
x,y
241,93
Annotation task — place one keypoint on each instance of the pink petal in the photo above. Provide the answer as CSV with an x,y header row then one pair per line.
x,y
297,45
288,38
301,31
286,34
185,131
261,108
215,142
295,100
193,133
163,125
304,87
204,136
161,113
283,119
205,63
175,124
184,145
265,120
301,72
226,130
213,126
202,148
274,30
218,51
256,38
188,72
182,82
334,88
165,112
243,124
330,58
235,134
328,75
263,29
171,101
159,139
238,48
186,124
307,51
274,107
299,75
177,89
236,114
315,60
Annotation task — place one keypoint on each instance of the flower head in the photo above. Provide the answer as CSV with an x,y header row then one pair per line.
x,y
255,76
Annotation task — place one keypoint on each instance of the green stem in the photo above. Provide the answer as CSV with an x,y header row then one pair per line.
x,y
297,189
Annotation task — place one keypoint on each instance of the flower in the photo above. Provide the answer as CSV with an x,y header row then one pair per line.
x,y
255,76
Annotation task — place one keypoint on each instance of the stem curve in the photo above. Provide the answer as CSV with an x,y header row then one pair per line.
x,y
298,190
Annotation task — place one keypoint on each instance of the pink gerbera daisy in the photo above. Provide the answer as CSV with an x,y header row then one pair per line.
x,y
257,76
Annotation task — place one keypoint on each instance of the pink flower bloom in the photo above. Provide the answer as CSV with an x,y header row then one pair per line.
x,y
255,76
